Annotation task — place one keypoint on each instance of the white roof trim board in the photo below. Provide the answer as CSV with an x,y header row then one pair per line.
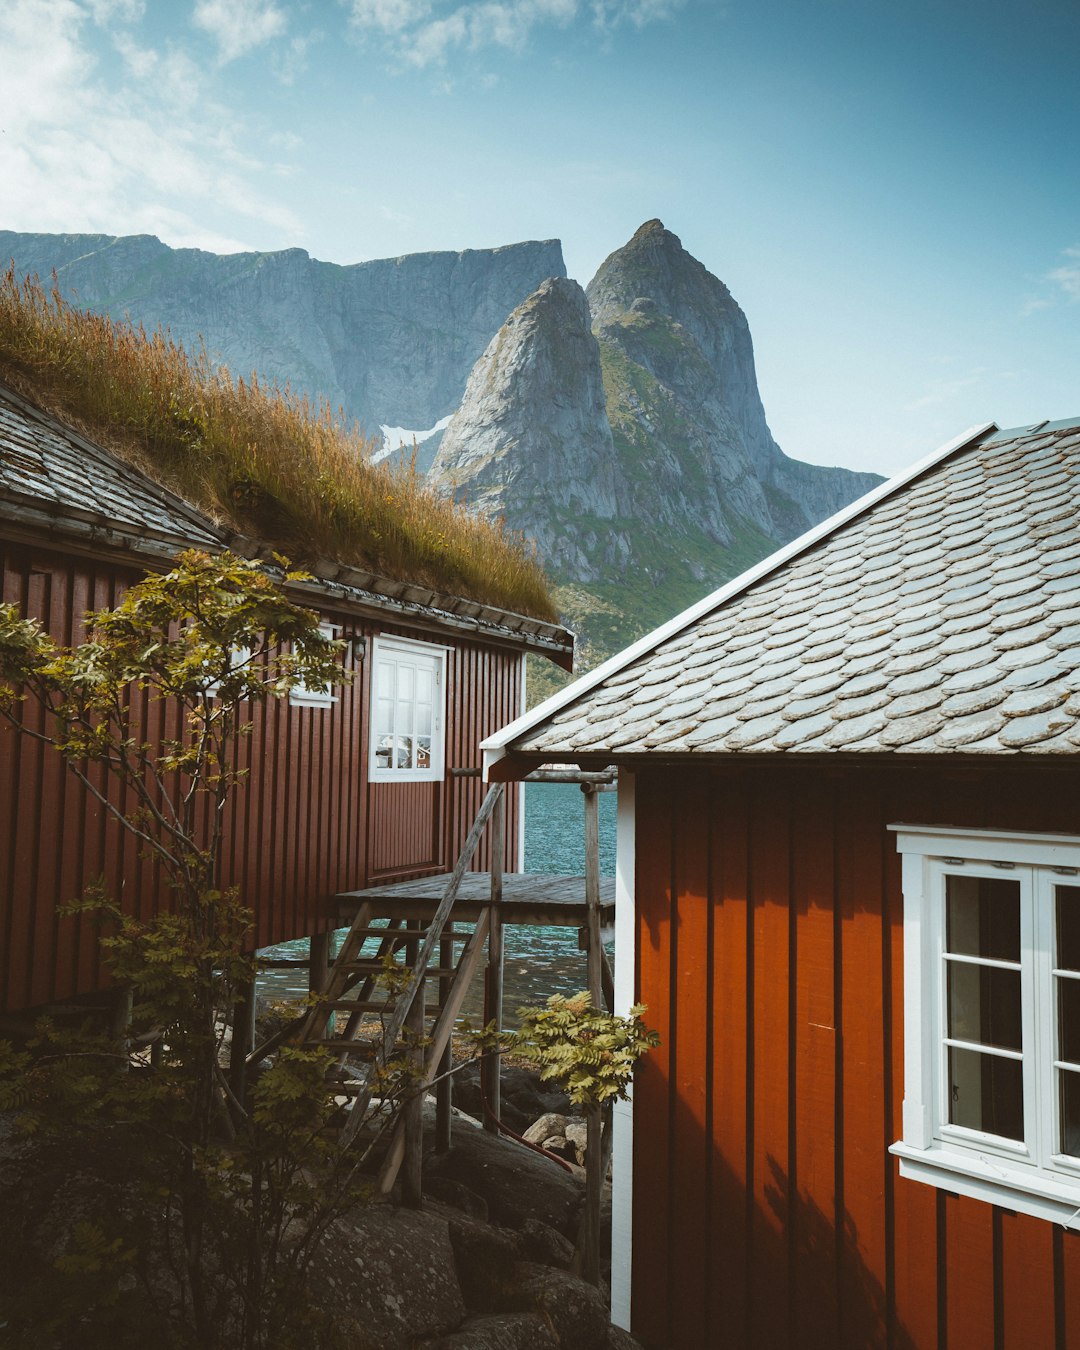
x,y
496,747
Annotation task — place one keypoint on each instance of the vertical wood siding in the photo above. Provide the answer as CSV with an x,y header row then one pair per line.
x,y
306,824
768,1211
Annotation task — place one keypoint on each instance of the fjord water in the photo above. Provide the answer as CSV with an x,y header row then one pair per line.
x,y
539,961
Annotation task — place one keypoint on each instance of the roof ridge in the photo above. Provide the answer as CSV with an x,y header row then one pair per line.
x,y
495,747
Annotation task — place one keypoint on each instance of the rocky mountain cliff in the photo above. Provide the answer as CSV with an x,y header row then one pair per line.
x,y
531,440
620,427
392,341
679,486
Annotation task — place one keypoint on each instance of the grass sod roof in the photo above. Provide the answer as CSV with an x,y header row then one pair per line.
x,y
260,458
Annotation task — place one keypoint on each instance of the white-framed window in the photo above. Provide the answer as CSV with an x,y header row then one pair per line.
x,y
408,698
992,1016
238,658
303,697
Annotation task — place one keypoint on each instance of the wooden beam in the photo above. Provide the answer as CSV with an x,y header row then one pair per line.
x,y
318,962
412,1122
444,1091
491,1067
594,948
243,1038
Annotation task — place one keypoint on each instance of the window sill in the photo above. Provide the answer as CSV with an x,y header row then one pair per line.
x,y
404,776
995,1182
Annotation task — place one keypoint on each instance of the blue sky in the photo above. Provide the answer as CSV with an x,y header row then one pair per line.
x,y
891,190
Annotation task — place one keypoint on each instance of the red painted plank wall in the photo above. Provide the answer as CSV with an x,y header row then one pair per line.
x,y
306,825
768,1212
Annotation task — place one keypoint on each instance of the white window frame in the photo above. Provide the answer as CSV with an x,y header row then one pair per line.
x,y
429,653
301,696
1029,1176
239,656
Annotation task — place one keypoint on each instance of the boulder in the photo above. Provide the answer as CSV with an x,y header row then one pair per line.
x,y
391,1274
617,1339
452,1192
577,1136
545,1245
503,1331
486,1258
515,1182
576,1311
549,1126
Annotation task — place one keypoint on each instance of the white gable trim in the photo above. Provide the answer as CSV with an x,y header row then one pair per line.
x,y
495,747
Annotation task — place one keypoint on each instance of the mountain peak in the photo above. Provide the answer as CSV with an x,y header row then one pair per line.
x,y
651,227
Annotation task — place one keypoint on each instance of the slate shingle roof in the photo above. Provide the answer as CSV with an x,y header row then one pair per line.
x,y
944,619
46,467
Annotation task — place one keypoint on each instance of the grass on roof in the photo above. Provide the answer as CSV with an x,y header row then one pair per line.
x,y
263,459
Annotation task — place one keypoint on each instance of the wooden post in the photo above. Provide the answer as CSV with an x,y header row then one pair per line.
x,y
444,1090
493,987
318,962
595,949
243,1037
412,1179
120,1025
589,1237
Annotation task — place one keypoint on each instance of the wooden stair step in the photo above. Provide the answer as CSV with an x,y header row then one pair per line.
x,y
397,934
361,1048
369,1005
373,967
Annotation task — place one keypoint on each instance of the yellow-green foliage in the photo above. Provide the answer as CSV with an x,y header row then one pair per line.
x,y
262,458
589,1052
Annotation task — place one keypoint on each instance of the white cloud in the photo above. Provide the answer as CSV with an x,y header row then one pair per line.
x,y
1059,284
1067,277
610,13
389,16
152,153
238,26
105,12
945,391
424,32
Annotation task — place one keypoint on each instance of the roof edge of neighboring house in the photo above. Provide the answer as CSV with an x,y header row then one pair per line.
x,y
496,747
404,601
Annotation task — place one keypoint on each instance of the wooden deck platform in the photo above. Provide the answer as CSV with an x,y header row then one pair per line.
x,y
528,898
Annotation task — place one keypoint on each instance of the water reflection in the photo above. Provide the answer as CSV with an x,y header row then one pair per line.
x,y
539,961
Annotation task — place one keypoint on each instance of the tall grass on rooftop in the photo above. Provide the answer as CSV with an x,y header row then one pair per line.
x,y
259,457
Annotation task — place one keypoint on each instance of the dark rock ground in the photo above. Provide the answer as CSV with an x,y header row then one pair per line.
x,y
484,1265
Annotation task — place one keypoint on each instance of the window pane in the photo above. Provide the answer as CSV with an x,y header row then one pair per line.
x,y
983,917
423,719
984,1005
404,758
386,679
1068,992
1068,927
404,718
384,717
405,681
986,1092
423,683
1070,1113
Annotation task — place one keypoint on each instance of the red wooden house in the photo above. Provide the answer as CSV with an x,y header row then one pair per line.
x,y
849,887
347,789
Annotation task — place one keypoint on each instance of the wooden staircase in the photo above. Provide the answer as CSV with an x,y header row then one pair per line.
x,y
434,953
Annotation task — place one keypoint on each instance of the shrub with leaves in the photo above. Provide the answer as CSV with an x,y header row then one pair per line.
x,y
589,1052
224,1202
